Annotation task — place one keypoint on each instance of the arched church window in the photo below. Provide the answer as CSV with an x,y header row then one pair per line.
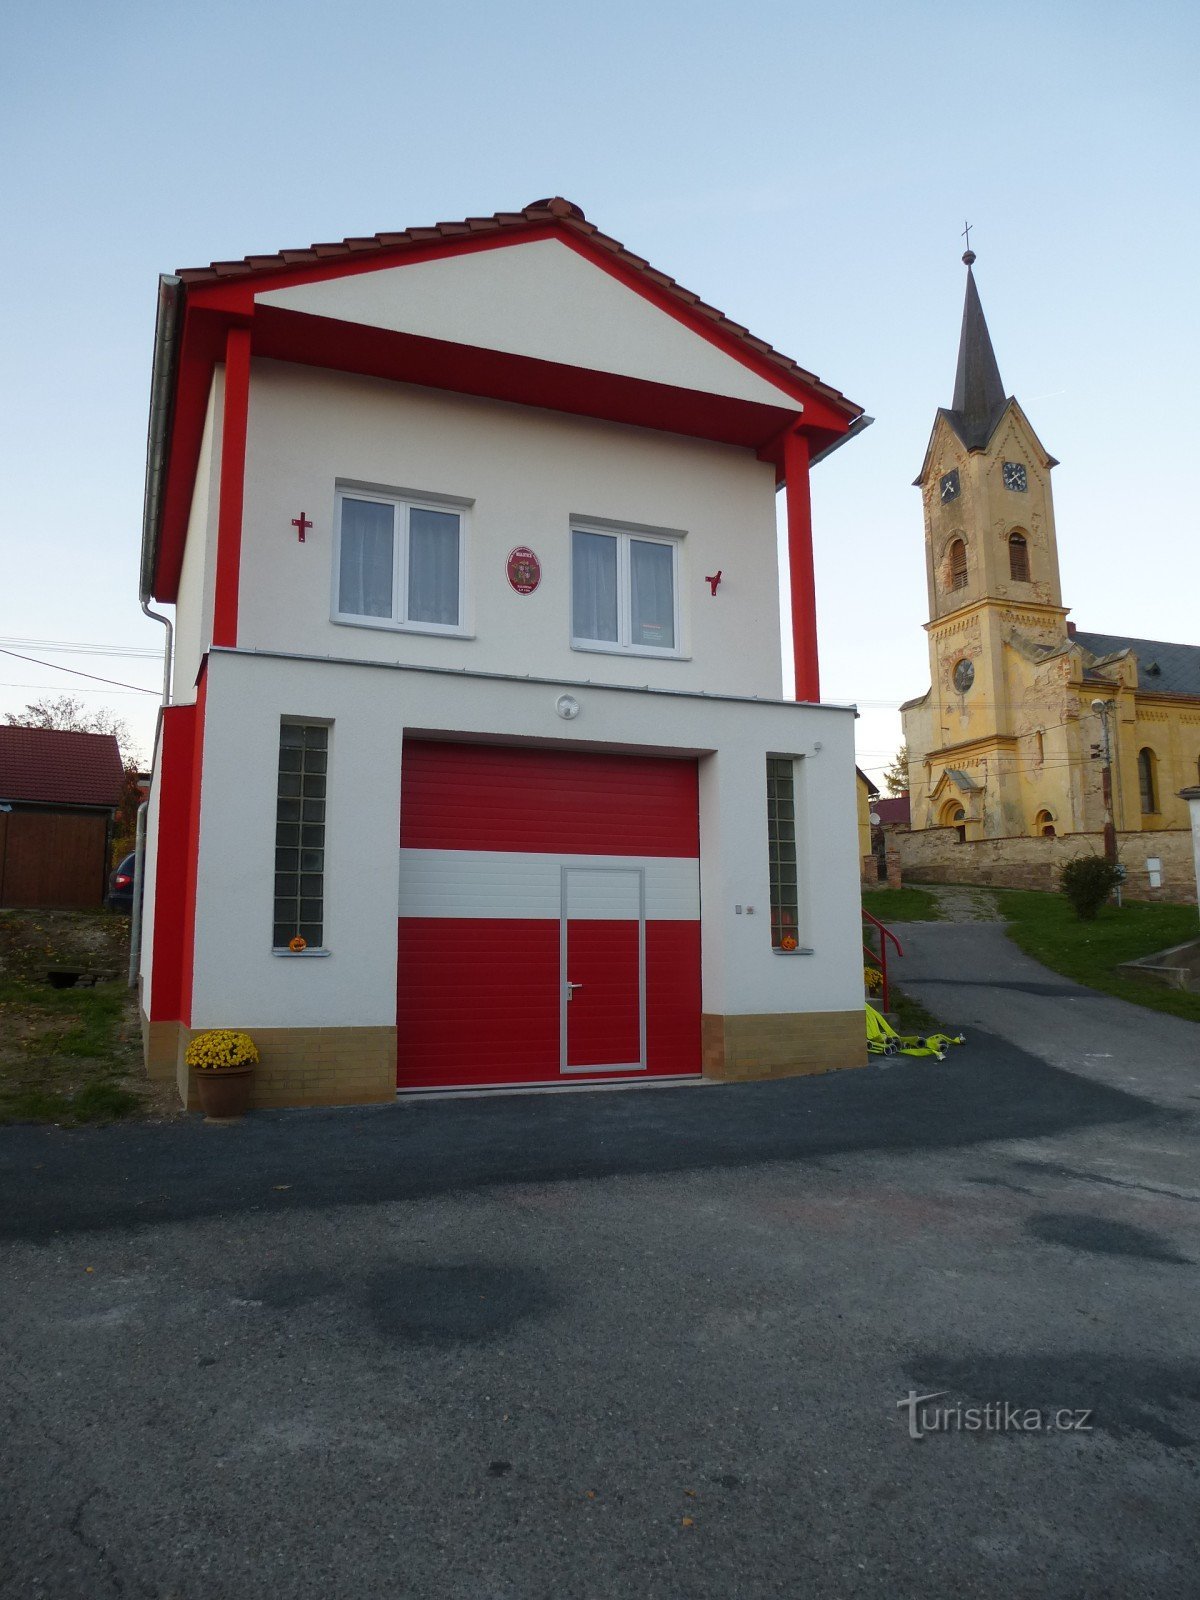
x,y
958,565
1146,779
1043,825
1018,558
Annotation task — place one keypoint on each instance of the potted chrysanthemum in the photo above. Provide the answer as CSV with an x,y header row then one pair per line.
x,y
224,1060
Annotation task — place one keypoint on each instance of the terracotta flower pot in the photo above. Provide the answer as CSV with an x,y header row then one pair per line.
x,y
224,1091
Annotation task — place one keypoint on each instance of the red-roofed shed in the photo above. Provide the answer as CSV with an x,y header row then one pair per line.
x,y
58,793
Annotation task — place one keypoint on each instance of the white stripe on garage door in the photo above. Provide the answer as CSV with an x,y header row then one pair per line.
x,y
515,885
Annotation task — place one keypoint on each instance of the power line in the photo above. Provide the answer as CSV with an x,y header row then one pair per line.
x,y
79,688
54,667
77,647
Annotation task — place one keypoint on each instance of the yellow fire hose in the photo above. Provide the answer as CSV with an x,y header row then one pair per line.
x,y
883,1040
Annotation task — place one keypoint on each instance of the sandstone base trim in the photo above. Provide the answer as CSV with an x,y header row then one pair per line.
x,y
782,1045
160,1049
304,1066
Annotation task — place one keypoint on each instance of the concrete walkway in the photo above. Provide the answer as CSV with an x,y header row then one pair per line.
x,y
957,902
972,976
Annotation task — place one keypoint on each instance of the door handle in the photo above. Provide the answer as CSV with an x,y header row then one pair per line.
x,y
571,988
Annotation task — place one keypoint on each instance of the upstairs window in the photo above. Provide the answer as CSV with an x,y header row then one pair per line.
x,y
624,592
399,563
1018,558
1146,784
958,565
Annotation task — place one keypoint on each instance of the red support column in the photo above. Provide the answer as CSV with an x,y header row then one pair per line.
x,y
800,566
176,760
233,476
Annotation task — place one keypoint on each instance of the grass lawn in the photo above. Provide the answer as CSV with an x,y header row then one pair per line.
x,y
1045,927
67,1055
901,905
912,1016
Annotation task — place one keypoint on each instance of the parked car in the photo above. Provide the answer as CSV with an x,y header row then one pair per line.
x,y
120,887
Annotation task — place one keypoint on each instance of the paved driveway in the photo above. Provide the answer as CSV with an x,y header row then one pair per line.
x,y
628,1344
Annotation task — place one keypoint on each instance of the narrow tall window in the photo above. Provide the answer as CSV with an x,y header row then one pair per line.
x,y
1018,558
1146,780
958,565
300,835
781,843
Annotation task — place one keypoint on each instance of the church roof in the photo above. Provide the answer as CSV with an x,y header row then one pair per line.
x,y
979,397
1163,668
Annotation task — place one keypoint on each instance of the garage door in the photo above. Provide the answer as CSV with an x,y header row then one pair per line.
x,y
549,917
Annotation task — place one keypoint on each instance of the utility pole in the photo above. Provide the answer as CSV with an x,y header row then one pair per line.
x,y
1103,708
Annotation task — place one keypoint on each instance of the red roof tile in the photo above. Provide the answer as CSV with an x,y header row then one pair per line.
x,y
893,813
556,210
57,768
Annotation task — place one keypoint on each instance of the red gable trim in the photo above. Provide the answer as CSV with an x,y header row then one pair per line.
x,y
214,297
556,218
48,766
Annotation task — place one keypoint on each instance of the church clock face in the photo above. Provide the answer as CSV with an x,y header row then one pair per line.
x,y
964,675
949,486
1015,477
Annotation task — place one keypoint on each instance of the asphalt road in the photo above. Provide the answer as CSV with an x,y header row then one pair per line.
x,y
644,1344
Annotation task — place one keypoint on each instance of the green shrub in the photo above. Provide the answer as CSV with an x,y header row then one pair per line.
x,y
1088,882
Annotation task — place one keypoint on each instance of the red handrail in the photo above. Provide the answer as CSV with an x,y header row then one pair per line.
x,y
881,954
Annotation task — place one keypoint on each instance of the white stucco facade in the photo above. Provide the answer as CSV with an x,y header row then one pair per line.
x,y
197,578
370,709
540,300
521,476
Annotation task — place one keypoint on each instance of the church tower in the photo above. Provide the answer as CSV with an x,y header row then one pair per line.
x,y
995,601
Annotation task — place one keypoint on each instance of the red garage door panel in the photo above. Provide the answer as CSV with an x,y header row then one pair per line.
x,y
481,994
495,797
673,997
477,1002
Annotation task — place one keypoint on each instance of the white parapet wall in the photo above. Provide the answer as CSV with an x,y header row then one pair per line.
x,y
371,708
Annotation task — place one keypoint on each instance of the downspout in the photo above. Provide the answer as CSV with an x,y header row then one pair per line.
x,y
135,915
162,393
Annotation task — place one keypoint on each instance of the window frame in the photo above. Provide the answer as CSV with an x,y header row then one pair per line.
x,y
406,502
957,578
299,872
783,839
1018,544
1147,769
626,535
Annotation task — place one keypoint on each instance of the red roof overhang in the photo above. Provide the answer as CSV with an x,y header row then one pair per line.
x,y
217,298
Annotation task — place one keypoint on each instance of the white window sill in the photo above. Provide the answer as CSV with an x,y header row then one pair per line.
x,y
300,955
800,950
644,651
382,625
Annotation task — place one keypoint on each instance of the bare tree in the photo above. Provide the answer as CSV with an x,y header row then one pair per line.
x,y
69,714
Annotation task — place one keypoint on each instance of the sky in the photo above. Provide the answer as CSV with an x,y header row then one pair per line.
x,y
807,169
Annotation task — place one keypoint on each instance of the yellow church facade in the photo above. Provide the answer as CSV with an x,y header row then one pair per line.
x,y
1030,727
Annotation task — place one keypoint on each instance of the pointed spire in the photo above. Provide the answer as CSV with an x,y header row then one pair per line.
x,y
978,391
